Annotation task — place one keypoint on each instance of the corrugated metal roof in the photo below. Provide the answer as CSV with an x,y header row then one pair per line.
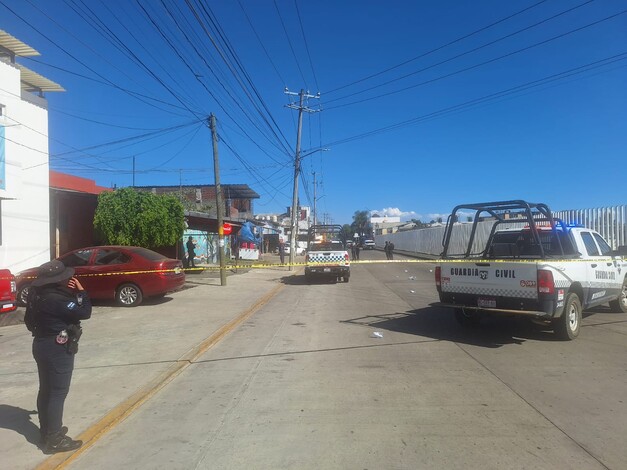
x,y
16,46
32,81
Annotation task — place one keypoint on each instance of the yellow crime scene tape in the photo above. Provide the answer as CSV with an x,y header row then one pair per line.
x,y
356,262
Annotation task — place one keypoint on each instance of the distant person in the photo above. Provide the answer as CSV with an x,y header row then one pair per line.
x,y
282,251
57,302
385,249
191,253
353,248
357,251
391,250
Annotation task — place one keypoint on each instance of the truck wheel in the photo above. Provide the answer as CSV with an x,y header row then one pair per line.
x,y
346,278
620,305
568,325
467,317
128,295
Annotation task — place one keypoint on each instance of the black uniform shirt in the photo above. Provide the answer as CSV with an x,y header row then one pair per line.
x,y
51,308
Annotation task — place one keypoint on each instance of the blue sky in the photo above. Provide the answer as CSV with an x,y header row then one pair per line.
x,y
423,105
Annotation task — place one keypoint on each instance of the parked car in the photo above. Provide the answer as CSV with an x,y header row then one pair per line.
x,y
7,291
368,244
127,274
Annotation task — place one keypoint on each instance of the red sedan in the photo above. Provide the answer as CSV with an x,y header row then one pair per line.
x,y
127,274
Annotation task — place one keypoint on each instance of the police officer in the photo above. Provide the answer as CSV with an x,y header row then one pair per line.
x,y
57,302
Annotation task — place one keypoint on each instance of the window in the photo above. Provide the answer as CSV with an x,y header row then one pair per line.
x,y
107,257
605,248
77,258
588,241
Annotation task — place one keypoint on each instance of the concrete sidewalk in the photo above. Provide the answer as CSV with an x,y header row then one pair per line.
x,y
125,356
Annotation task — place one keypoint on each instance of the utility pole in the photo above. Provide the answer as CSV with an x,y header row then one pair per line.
x,y
216,171
133,171
294,221
314,185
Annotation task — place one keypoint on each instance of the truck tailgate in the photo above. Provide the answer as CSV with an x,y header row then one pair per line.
x,y
331,258
490,280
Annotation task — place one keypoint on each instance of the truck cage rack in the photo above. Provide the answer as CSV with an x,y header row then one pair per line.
x,y
333,231
534,214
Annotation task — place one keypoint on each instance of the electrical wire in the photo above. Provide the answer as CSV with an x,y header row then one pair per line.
x,y
490,97
439,48
489,61
289,41
302,29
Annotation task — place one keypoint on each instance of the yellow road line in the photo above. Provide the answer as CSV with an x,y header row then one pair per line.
x,y
91,435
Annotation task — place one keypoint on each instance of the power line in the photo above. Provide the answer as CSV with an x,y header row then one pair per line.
x,y
207,11
489,61
472,103
484,28
300,22
289,41
283,82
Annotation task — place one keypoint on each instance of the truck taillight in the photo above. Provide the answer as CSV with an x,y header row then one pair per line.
x,y
307,258
346,258
438,276
545,282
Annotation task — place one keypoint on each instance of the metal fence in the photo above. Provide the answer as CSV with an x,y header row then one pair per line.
x,y
611,222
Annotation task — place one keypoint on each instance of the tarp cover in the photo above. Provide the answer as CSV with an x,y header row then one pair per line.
x,y
246,234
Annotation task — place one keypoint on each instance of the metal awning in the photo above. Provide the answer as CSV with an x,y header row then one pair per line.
x,y
33,82
16,46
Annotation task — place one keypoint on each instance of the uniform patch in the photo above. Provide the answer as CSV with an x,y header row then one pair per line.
x,y
71,305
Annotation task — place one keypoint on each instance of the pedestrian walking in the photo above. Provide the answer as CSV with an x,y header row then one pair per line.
x,y
390,250
57,302
191,253
385,249
353,248
357,251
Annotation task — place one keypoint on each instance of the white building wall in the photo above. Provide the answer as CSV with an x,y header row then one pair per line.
x,y
25,203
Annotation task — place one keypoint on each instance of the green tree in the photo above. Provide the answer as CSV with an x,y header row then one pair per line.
x,y
361,223
346,233
138,218
419,223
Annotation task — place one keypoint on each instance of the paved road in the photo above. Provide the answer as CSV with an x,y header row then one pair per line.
x,y
305,384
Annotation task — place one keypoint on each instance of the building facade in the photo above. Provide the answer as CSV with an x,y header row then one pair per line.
x,y
24,159
237,198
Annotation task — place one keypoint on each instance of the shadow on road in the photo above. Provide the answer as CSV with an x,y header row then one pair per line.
x,y
18,420
300,280
438,323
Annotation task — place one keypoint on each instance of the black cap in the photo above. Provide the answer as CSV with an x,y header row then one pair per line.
x,y
52,272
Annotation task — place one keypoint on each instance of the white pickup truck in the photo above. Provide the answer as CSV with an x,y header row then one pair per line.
x,y
531,265
326,254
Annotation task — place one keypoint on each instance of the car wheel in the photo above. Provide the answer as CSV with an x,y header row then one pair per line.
x,y
346,278
568,325
467,317
620,305
128,295
22,295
